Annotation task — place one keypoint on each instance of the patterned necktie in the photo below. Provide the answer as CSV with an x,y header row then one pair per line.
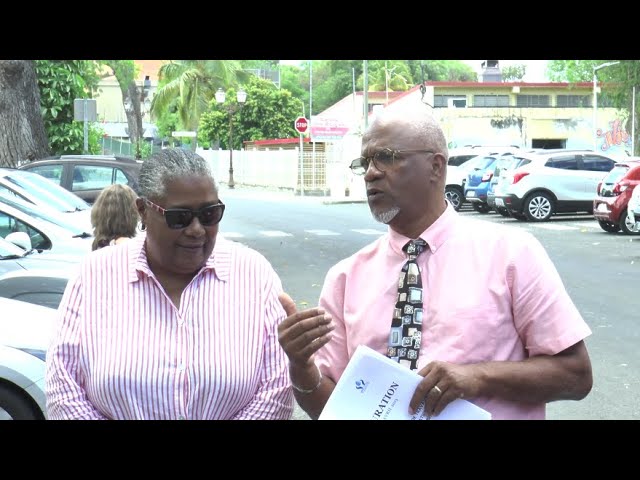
x,y
405,336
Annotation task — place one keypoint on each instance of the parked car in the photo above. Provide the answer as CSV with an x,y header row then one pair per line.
x,y
613,194
87,175
44,287
633,208
34,276
35,189
461,162
503,166
25,333
555,181
43,232
477,183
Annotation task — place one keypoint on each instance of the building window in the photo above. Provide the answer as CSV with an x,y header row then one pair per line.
x,y
533,101
568,101
491,100
444,101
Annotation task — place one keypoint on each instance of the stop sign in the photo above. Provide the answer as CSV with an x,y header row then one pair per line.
x,y
301,124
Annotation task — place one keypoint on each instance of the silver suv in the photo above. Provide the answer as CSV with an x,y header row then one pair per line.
x,y
554,181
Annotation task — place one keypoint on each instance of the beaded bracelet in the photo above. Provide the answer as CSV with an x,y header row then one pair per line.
x,y
311,390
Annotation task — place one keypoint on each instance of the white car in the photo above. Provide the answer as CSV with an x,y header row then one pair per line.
x,y
45,232
42,192
555,181
633,208
25,333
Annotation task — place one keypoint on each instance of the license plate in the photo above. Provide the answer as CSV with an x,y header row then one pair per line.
x,y
499,202
470,193
602,207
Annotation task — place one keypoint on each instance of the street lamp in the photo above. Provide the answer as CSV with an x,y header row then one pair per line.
x,y
595,101
231,109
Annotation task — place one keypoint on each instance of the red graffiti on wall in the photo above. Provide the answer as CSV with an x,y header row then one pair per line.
x,y
616,136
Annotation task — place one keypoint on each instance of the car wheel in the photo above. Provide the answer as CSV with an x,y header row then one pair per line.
x,y
538,207
17,405
626,226
455,196
503,211
609,227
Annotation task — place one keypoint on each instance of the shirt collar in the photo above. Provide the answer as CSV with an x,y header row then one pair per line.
x,y
435,235
219,261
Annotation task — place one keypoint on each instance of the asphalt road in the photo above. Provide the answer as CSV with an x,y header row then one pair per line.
x,y
303,237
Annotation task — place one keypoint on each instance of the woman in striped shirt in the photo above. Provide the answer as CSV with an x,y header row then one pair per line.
x,y
175,323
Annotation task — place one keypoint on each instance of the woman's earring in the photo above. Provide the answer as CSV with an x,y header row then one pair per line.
x,y
143,227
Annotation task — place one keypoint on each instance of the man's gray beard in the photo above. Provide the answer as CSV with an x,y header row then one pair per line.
x,y
386,216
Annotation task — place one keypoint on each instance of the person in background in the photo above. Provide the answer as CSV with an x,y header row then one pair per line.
x,y
114,216
491,321
175,323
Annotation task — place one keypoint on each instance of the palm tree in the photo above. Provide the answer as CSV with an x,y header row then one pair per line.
x,y
192,84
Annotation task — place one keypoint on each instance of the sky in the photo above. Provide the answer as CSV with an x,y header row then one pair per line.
x,y
535,68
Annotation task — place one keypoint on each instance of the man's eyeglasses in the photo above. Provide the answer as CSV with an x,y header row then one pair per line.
x,y
178,218
383,160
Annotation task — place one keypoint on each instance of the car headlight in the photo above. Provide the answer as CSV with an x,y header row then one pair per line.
x,y
41,354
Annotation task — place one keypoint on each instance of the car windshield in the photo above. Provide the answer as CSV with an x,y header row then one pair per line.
x,y
47,192
616,174
43,214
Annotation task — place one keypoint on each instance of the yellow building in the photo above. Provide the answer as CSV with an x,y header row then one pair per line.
x,y
108,97
533,115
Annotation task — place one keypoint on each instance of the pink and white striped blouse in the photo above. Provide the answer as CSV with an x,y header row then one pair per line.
x,y
122,350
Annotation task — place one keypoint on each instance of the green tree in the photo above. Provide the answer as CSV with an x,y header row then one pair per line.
x,y
514,72
22,131
268,113
618,83
126,72
392,75
190,85
60,83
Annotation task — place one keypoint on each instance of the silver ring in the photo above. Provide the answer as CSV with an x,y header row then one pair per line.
x,y
437,389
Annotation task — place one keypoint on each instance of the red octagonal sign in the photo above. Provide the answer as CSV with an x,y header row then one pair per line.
x,y
301,124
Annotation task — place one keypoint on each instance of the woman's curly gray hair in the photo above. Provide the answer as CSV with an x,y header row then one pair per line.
x,y
167,165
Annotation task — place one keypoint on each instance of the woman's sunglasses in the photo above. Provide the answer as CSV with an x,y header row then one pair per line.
x,y
178,218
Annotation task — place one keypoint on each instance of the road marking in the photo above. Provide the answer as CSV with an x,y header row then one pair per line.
x,y
367,231
275,233
553,227
322,232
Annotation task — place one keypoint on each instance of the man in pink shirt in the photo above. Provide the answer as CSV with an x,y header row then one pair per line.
x,y
497,325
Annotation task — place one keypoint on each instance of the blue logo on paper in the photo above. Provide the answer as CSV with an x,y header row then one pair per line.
x,y
361,385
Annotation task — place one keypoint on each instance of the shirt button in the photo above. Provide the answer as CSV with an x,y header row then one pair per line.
x,y
181,417
181,367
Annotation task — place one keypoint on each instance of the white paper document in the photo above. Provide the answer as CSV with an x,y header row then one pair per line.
x,y
374,387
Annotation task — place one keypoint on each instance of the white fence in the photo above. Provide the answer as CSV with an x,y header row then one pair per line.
x,y
256,168
324,173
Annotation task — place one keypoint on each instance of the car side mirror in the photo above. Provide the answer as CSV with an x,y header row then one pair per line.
x,y
21,239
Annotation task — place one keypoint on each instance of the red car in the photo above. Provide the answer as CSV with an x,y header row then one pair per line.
x,y
614,192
